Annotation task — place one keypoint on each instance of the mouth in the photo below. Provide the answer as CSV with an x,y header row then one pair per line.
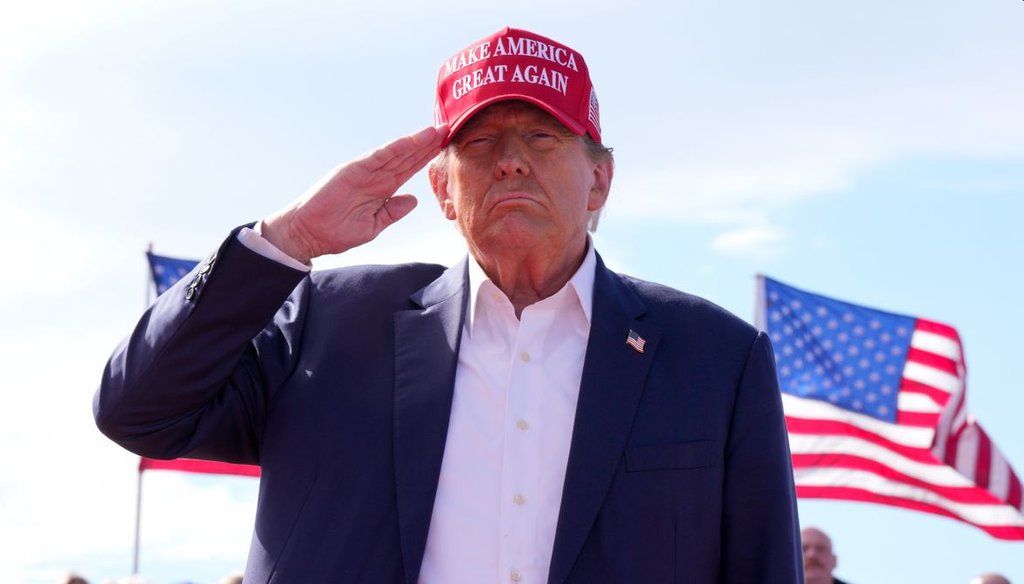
x,y
513,199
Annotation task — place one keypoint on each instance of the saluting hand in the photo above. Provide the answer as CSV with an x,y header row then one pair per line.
x,y
355,201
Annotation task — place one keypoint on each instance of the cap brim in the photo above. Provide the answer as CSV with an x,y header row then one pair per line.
x,y
566,119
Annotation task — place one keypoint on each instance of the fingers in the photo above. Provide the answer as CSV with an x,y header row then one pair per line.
x,y
408,154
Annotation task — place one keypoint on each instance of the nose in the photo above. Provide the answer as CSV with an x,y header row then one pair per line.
x,y
512,159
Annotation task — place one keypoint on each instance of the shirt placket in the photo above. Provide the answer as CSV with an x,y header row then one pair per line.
x,y
524,420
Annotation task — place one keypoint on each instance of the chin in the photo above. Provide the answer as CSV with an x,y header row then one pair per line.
x,y
516,231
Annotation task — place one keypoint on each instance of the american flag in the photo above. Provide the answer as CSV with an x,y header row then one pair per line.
x,y
876,411
636,341
166,271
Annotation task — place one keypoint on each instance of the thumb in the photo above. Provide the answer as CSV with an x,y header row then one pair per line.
x,y
394,209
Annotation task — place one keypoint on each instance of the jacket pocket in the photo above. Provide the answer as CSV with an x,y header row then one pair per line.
x,y
670,456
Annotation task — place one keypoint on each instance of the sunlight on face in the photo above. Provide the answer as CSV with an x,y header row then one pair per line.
x,y
516,178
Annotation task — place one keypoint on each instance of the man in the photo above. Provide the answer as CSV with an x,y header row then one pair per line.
x,y
524,416
819,559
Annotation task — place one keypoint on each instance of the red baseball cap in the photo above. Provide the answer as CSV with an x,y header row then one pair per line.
x,y
517,64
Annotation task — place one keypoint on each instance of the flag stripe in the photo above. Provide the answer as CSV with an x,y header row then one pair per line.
x,y
917,403
831,427
1005,532
929,359
984,464
967,452
937,395
1016,496
942,330
999,481
932,377
199,466
806,410
929,471
946,346
917,419
955,494
977,514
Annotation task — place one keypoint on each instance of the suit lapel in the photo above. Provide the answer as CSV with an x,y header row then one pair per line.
x,y
614,374
426,355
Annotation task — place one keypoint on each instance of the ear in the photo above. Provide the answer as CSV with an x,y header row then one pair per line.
x,y
603,171
438,174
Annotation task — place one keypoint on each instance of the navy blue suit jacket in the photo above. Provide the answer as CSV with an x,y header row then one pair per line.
x,y
339,384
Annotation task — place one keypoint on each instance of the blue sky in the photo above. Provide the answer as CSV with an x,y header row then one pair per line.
x,y
870,151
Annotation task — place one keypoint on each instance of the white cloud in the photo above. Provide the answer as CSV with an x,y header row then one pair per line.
x,y
760,241
768,106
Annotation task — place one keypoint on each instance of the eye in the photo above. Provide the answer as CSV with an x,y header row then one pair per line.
x,y
475,142
543,138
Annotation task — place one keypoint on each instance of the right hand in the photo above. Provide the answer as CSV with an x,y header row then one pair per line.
x,y
355,201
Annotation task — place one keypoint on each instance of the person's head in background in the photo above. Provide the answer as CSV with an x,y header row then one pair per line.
x,y
819,559
990,578
71,578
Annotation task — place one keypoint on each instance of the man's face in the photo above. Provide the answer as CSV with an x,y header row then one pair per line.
x,y
517,179
819,561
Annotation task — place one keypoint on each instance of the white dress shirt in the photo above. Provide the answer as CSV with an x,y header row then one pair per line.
x,y
516,387
511,423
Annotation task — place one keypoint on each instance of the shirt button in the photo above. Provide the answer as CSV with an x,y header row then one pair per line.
x,y
519,499
524,357
515,576
522,425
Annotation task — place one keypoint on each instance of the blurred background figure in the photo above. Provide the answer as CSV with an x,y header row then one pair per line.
x,y
990,578
819,559
231,579
72,578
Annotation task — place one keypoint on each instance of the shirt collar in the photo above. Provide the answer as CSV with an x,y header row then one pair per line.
x,y
582,283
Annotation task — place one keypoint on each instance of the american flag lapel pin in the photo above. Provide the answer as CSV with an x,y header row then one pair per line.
x,y
636,341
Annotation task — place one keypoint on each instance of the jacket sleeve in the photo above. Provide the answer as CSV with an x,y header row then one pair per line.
x,y
761,534
196,375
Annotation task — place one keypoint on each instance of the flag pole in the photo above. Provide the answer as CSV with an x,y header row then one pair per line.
x,y
138,486
138,524
149,278
759,303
